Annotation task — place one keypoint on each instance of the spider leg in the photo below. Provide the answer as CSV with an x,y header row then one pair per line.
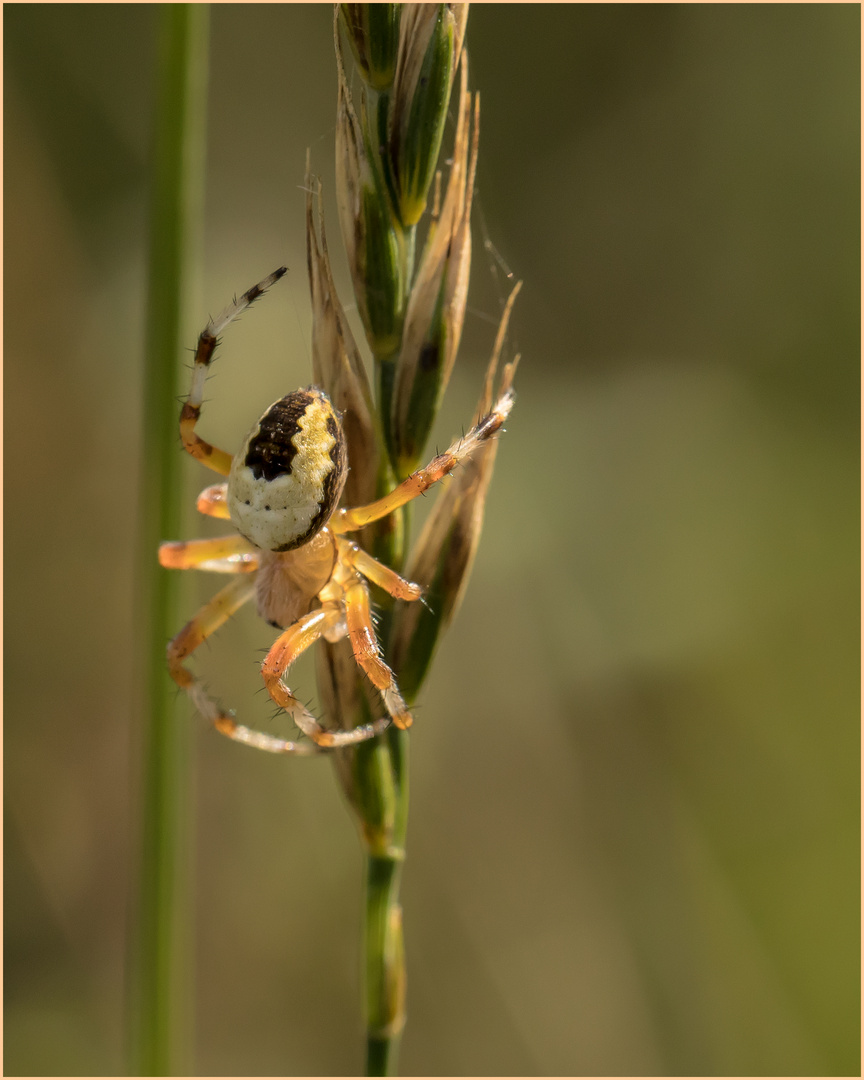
x,y
231,554
208,620
377,572
420,481
212,502
287,648
368,655
211,456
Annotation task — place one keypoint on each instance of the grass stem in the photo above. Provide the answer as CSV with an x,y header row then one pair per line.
x,y
384,950
159,1012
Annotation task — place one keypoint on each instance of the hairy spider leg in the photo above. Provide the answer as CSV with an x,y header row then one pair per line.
x,y
377,572
211,456
213,502
287,648
368,654
420,481
231,554
214,614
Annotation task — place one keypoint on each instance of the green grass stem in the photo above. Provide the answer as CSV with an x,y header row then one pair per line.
x,y
159,989
384,952
385,964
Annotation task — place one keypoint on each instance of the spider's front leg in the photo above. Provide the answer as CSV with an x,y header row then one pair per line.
x,y
419,482
211,456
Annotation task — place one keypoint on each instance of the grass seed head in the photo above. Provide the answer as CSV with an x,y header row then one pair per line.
x,y
373,33
336,363
373,239
436,306
430,41
444,553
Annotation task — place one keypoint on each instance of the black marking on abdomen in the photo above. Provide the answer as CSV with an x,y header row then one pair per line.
x,y
271,452
334,482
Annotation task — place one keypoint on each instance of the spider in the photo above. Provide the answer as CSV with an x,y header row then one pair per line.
x,y
290,550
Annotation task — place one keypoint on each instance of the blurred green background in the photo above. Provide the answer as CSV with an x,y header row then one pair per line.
x,y
634,839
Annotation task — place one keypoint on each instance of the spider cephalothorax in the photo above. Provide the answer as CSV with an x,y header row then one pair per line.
x,y
289,551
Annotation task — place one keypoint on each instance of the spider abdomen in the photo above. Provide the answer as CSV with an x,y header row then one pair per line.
x,y
288,477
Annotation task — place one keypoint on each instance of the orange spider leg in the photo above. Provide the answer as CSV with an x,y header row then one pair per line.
x,y
368,655
211,456
212,502
224,554
208,620
378,573
288,647
423,479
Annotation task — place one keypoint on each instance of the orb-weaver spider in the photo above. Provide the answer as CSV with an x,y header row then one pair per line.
x,y
290,548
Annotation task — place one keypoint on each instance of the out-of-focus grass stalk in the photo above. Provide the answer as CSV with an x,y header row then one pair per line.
x,y
161,941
